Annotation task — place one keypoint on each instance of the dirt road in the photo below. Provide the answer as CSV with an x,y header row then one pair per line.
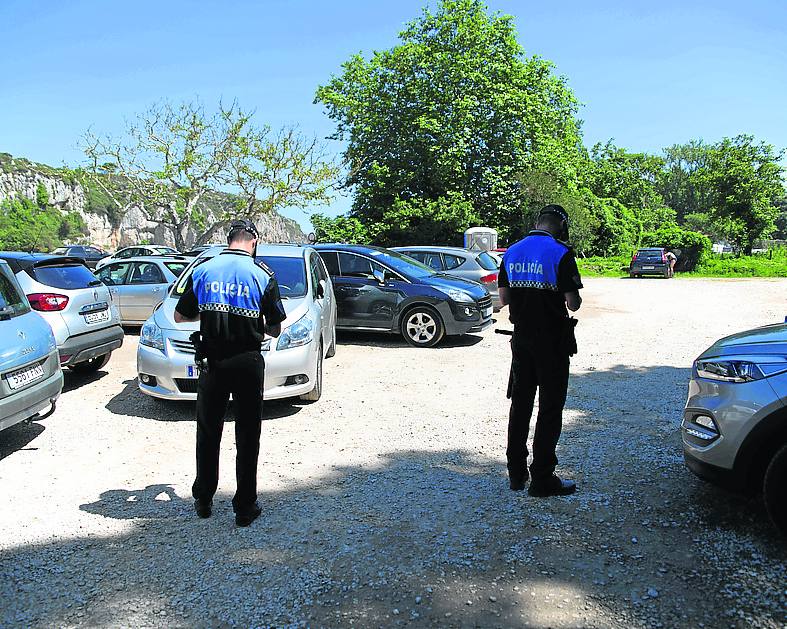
x,y
386,503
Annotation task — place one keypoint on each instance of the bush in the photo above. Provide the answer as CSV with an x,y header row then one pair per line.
x,y
26,227
618,230
691,247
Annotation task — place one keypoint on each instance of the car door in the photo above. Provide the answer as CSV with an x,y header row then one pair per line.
x,y
145,290
362,301
115,277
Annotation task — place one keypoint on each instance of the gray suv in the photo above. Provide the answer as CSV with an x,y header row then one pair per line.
x,y
30,376
735,421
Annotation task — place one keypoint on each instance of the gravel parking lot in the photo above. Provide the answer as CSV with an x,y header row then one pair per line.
x,y
387,503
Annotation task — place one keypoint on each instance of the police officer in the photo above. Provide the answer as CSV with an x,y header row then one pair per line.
x,y
538,280
237,302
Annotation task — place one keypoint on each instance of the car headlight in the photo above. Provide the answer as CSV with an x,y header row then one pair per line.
x,y
151,336
299,333
729,370
459,295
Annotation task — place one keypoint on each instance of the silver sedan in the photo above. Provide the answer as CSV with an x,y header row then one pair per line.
x,y
138,285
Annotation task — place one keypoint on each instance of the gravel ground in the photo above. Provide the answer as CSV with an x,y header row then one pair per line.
x,y
387,503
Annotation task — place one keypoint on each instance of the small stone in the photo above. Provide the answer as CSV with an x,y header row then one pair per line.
x,y
418,600
395,612
634,540
493,599
653,592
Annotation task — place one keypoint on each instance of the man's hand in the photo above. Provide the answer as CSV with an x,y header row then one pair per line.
x,y
573,300
273,330
502,293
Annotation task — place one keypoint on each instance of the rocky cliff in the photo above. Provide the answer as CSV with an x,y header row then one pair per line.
x,y
21,178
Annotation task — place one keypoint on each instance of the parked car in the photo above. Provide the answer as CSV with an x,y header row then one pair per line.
x,y
138,285
649,261
382,290
497,257
30,375
293,361
478,266
201,248
90,255
735,421
136,252
75,304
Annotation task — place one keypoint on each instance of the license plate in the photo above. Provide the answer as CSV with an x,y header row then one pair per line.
x,y
487,312
191,371
648,268
97,317
20,378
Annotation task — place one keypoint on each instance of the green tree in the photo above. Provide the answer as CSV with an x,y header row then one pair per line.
x,y
744,182
173,156
343,229
454,107
681,183
24,226
42,195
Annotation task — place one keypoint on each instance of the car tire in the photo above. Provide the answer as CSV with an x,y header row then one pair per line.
x,y
773,489
92,365
316,392
332,347
632,275
422,327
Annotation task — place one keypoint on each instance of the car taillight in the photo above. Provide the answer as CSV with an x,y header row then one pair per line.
x,y
47,302
634,257
488,279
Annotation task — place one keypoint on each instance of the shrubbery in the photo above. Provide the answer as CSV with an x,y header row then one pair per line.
x,y
26,227
691,247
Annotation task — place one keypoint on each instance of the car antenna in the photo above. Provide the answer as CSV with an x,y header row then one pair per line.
x,y
35,242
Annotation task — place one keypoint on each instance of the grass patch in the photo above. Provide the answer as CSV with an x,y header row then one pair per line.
x,y
603,267
770,264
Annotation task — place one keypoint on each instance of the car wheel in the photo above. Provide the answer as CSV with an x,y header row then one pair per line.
x,y
316,392
422,327
773,489
89,366
332,347
632,275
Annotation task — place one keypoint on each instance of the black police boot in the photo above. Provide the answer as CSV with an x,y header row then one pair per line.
x,y
244,518
203,508
518,481
551,486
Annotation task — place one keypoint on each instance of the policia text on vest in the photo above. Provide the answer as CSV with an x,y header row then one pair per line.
x,y
539,280
237,302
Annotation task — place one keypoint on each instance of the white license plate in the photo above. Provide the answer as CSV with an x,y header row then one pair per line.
x,y
97,317
191,371
20,378
648,268
487,312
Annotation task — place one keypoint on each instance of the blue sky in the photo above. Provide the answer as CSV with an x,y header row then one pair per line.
x,y
649,74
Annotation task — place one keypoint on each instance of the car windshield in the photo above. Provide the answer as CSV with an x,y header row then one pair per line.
x,y
401,263
65,276
12,303
175,267
163,250
290,274
649,254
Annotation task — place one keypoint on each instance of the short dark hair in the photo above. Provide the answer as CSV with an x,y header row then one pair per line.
x,y
550,222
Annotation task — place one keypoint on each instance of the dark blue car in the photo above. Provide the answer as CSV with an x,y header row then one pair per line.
x,y
382,290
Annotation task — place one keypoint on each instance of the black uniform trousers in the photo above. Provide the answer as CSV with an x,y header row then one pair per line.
x,y
242,375
535,364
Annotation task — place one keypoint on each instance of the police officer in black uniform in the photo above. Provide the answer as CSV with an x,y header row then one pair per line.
x,y
237,302
538,280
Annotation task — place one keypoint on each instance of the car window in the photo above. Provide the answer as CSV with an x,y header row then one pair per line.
x,y
61,251
649,254
487,262
114,274
176,267
290,274
323,271
314,268
66,276
352,265
452,262
146,273
331,260
93,250
12,303
416,255
76,251
162,250
126,253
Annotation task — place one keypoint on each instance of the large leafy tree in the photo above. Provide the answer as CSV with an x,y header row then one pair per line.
x,y
456,107
744,182
173,157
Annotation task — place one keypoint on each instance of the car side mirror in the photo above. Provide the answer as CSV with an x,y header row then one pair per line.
x,y
379,276
321,290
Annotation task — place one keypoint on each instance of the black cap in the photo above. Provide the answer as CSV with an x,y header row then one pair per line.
x,y
242,224
557,210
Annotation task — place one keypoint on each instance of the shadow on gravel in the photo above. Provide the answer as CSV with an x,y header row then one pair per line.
x,y
132,402
18,437
383,339
420,537
72,380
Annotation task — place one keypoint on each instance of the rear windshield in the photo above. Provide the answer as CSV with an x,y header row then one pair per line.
x,y
486,261
649,254
12,302
65,276
176,267
163,250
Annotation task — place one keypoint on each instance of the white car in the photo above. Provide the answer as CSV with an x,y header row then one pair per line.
x,y
135,252
293,362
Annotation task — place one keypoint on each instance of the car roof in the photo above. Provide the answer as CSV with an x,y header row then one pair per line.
x,y
651,249
438,248
284,250
171,257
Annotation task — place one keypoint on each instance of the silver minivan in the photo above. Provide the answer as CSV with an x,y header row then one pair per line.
x,y
30,375
76,305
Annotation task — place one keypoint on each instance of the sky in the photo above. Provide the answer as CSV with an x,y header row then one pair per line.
x,y
649,75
